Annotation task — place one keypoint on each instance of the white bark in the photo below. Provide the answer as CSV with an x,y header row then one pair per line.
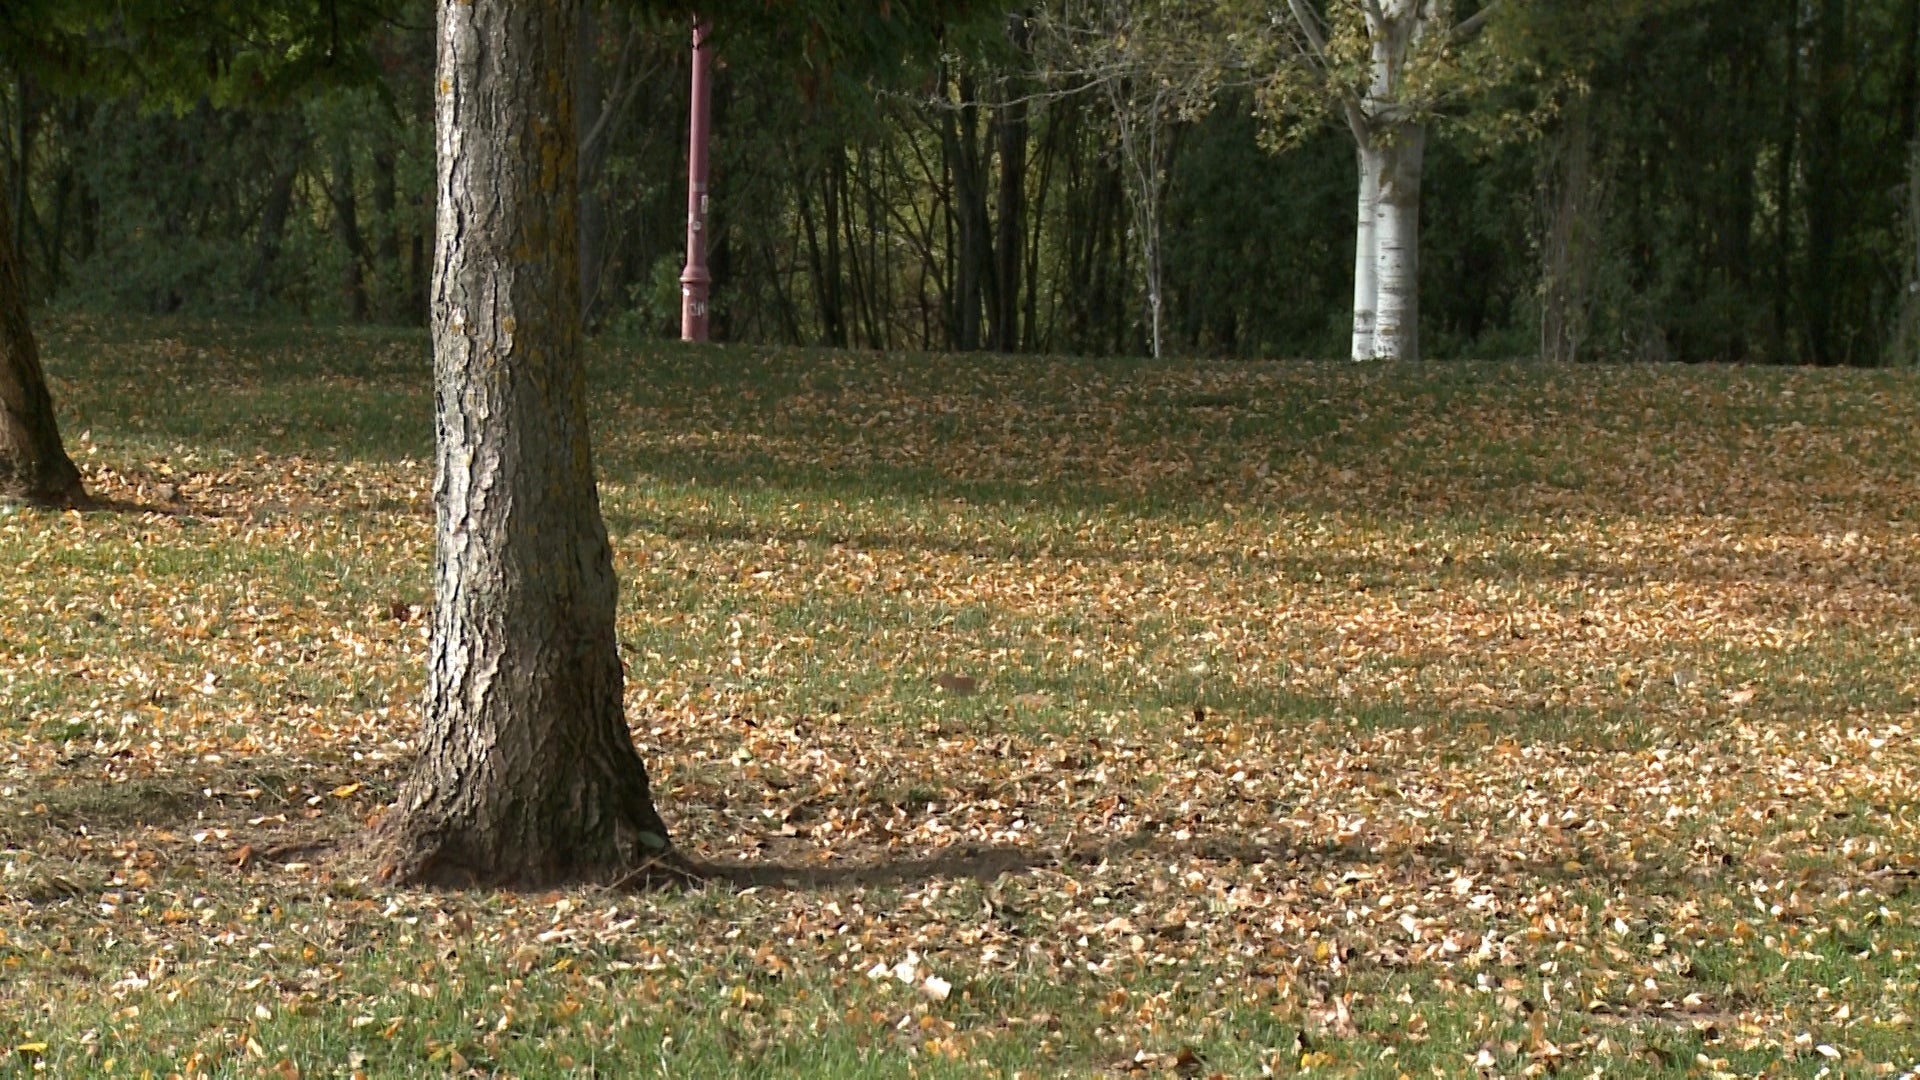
x,y
1366,284
1143,165
1396,238
1907,333
1391,149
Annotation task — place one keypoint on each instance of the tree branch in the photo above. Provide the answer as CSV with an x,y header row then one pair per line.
x,y
1470,27
1310,29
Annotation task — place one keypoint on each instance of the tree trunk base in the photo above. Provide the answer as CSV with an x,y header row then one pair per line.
x,y
61,491
596,826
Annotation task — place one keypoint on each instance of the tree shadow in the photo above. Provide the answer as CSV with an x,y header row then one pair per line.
x,y
107,505
986,862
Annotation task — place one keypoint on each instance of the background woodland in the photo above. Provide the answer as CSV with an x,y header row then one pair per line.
x,y
1693,180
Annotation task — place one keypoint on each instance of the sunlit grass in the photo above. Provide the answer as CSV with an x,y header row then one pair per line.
x,y
1189,718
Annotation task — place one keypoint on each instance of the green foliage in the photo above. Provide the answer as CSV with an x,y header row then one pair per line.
x,y
1740,193
172,53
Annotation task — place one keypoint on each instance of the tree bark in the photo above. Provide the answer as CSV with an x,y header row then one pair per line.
x,y
1010,223
527,774
588,97
1366,284
975,242
273,218
1396,236
34,466
1826,188
346,226
1392,152
1568,224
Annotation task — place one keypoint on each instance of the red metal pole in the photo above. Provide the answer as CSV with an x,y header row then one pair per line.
x,y
695,281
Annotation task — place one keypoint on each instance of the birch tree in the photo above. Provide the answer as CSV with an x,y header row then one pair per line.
x,y
1383,68
1154,64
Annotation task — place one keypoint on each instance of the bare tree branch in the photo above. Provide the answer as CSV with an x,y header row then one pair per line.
x,y
1310,29
1470,27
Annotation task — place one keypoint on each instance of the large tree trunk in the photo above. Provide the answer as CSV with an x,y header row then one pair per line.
x,y
527,773
1569,221
34,466
1396,238
1392,151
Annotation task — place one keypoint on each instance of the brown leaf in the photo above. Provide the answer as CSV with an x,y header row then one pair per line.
x,y
956,684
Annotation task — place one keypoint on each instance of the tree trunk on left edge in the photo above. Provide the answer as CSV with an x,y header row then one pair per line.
x,y
527,774
34,466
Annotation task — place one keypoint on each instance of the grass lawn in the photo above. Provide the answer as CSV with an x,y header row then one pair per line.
x,y
1058,717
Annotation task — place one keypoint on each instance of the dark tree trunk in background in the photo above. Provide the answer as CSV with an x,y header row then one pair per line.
x,y
961,145
527,773
25,110
1826,190
391,303
273,218
34,466
1783,209
1010,225
588,103
346,226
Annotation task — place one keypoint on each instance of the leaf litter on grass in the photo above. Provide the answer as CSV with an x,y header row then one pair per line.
x,y
1042,716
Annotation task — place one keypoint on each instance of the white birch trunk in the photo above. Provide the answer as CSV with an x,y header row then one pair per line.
x,y
1396,238
1391,150
1366,284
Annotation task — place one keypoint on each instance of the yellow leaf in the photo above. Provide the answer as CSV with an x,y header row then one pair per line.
x,y
35,1048
346,791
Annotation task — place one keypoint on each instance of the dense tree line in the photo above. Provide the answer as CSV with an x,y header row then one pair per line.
x,y
1695,180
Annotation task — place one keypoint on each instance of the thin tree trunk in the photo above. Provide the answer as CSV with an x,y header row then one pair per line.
x,y
34,466
346,226
1010,224
390,304
1906,343
1142,151
1785,161
22,169
1034,241
1366,282
975,242
589,104
527,773
273,219
1826,183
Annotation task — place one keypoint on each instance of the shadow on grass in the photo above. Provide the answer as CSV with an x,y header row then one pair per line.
x,y
985,862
